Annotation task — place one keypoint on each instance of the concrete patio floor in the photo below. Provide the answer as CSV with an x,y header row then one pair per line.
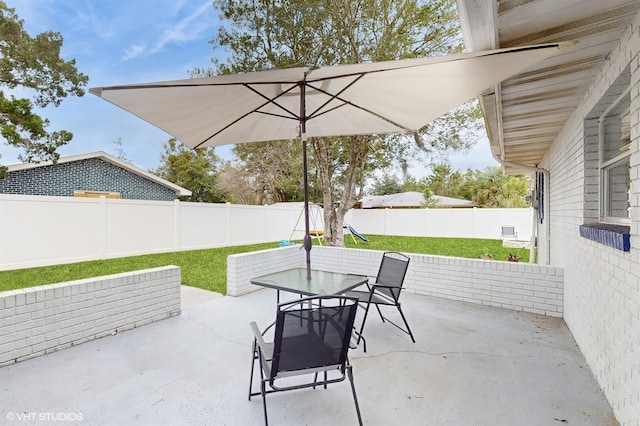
x,y
471,365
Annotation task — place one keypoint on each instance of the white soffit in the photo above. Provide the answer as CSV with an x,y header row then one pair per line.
x,y
525,113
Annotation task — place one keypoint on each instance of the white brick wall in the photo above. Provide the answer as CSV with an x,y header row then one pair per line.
x,y
602,290
242,267
510,285
517,286
39,320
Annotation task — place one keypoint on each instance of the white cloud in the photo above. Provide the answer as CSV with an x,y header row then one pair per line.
x,y
119,42
189,28
133,52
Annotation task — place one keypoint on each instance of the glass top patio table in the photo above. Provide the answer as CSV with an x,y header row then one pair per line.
x,y
321,283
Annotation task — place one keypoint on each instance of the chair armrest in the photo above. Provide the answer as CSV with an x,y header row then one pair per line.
x,y
380,290
377,286
366,284
265,348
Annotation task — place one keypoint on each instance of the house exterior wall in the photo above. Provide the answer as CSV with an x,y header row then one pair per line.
x,y
93,174
602,284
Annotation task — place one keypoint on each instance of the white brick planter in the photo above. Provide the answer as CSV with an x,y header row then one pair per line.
x,y
39,320
511,285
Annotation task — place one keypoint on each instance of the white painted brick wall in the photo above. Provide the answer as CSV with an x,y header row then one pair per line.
x,y
510,285
601,284
242,267
39,320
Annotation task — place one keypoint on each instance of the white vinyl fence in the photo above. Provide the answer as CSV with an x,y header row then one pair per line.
x,y
40,231
453,223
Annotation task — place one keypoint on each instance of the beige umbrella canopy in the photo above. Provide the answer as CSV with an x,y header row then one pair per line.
x,y
379,97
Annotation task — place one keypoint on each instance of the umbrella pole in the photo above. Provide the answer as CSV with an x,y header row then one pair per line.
x,y
303,135
307,237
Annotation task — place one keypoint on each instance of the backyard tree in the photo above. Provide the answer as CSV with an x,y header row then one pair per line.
x,y
268,173
236,185
195,170
390,184
386,185
33,65
262,34
445,182
489,188
276,170
493,188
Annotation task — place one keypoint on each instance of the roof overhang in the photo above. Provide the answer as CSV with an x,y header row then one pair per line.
x,y
525,113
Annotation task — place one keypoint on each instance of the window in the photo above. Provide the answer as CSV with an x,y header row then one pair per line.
x,y
95,194
607,155
614,155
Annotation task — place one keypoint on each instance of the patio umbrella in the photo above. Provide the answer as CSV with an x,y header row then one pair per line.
x,y
378,97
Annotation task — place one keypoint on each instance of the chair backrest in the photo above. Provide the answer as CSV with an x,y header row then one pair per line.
x,y
313,332
393,269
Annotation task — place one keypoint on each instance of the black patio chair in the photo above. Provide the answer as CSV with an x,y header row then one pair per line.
x,y
385,290
311,336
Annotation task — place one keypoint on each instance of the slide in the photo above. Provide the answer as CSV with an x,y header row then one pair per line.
x,y
354,232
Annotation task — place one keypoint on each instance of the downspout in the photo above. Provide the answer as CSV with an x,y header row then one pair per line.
x,y
534,225
545,172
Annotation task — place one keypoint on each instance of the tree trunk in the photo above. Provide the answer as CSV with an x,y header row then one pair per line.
x,y
326,151
333,235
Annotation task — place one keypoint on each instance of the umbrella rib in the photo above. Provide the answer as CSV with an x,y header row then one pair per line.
x,y
273,114
332,96
273,100
256,110
400,126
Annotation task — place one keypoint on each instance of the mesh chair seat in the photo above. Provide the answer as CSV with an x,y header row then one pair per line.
x,y
306,351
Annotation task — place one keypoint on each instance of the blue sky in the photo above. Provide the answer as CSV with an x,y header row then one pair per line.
x,y
132,41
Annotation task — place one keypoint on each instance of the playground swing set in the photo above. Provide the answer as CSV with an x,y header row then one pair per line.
x,y
317,232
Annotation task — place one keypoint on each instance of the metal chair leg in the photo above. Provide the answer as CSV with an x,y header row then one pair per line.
x,y
353,390
364,320
360,337
254,355
380,313
405,323
263,391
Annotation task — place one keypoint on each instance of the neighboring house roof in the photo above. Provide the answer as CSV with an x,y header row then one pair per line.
x,y
411,199
524,114
180,191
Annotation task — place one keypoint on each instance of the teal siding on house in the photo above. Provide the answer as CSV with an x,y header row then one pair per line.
x,y
92,174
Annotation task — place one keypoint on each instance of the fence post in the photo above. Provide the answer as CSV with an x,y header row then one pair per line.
x,y
102,225
386,220
177,243
265,210
427,225
228,222
474,218
3,223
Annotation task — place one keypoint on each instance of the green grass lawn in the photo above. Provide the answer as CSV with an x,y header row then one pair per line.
x,y
207,268
471,248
